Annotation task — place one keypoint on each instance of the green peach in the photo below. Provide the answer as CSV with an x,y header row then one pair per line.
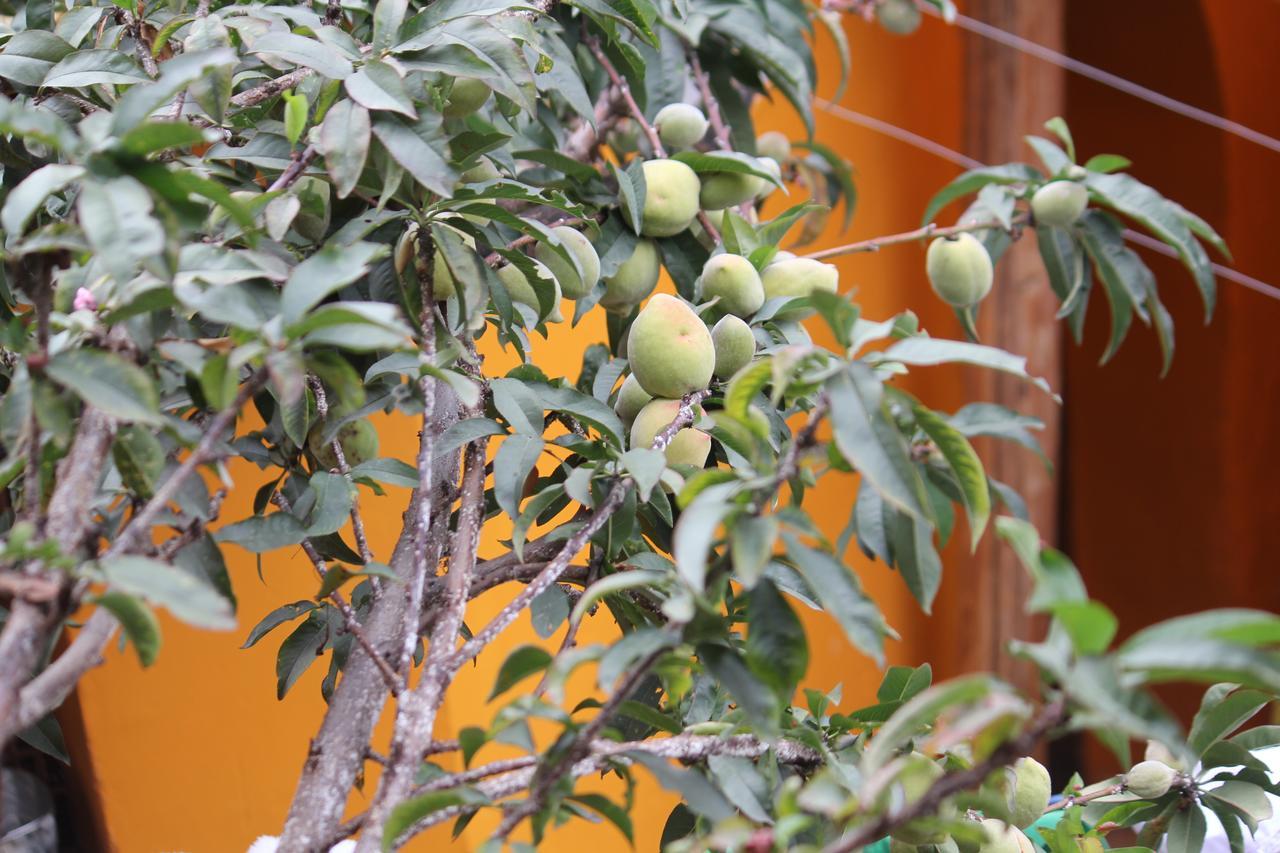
x,y
670,348
728,189
1031,791
798,277
358,440
680,125
735,282
689,446
481,172
635,279
466,96
1059,203
768,164
735,345
521,290
1003,838
442,283
670,200
900,17
959,270
774,144
1150,780
631,399
575,286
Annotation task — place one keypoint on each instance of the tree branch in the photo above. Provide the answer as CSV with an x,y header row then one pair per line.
x,y
269,89
875,244
718,127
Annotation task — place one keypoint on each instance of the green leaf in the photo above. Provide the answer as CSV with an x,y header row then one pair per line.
x,y
94,67
1236,625
388,17
925,351
1186,831
868,439
1107,163
139,458
325,272
1204,661
519,665
414,809
182,594
276,618
645,466
776,650
1090,624
137,104
695,532
138,622
300,650
153,136
757,701
965,465
751,540
377,86
26,199
295,115
517,456
29,54
46,736
1121,270
841,595
344,141
116,217
108,382
610,584
1218,719
1245,797
1058,127
303,51
262,533
976,179
416,148
615,814
1139,202
548,610
333,501
922,711
695,790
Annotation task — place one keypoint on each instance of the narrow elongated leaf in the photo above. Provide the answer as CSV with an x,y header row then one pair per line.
x,y
965,465
517,456
138,622
416,148
923,351
303,51
326,271
976,179
27,197
841,595
344,141
519,665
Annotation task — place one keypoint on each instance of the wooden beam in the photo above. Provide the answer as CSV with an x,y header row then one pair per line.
x,y
1009,95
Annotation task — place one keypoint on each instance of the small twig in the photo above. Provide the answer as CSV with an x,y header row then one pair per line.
x,y
269,89
339,455
295,169
141,45
718,127
349,621
875,244
624,90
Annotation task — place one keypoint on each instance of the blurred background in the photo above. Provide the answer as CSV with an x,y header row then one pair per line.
x,y
1164,495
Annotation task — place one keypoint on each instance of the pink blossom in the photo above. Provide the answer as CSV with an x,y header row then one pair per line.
x,y
85,299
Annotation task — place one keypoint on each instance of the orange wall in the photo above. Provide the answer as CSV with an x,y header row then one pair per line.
x,y
196,754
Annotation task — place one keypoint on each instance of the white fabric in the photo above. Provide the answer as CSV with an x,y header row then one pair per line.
x,y
1267,839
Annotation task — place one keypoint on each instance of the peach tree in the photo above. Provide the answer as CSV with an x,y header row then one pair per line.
x,y
236,230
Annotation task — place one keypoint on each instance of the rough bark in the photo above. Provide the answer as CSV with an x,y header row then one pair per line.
x,y
337,752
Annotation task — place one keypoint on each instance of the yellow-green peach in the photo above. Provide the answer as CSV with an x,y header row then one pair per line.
x,y
680,125
959,270
576,243
670,200
670,348
735,345
733,280
689,446
635,279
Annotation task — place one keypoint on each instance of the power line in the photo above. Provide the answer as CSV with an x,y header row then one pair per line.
x,y
1115,81
964,161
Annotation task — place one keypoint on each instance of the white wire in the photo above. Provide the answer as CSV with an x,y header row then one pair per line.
x,y
966,162
1106,78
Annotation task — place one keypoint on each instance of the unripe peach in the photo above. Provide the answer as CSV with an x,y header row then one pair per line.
x,y
358,440
635,279
670,200
768,164
689,446
442,283
1150,780
1031,791
728,189
1003,838
1059,203
466,96
481,172
670,348
798,277
631,399
959,270
773,143
521,290
735,345
735,281
901,17
680,125
572,284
